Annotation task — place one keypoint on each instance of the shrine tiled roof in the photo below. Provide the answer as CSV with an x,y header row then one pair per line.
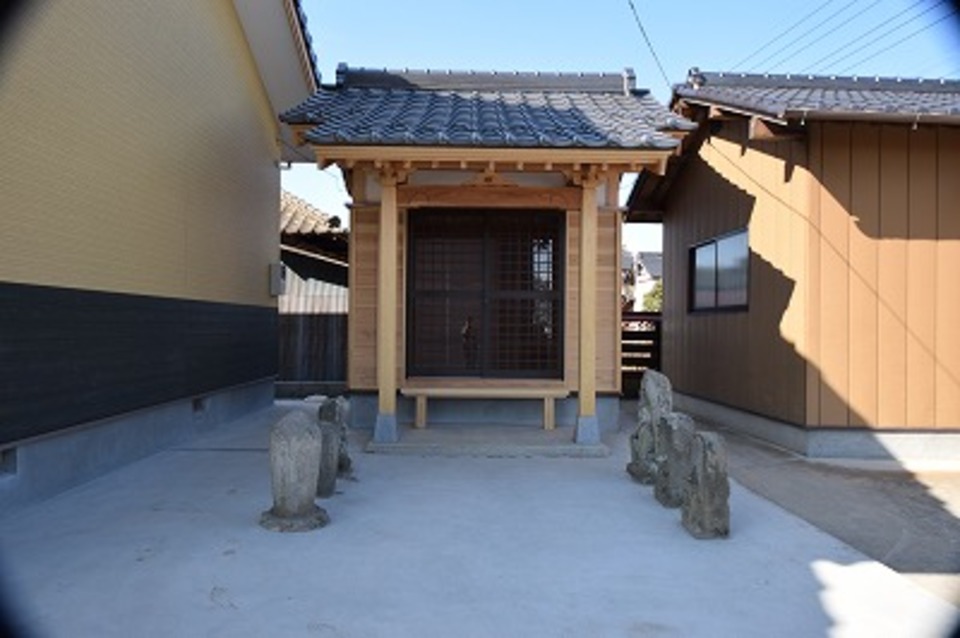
x,y
799,97
487,110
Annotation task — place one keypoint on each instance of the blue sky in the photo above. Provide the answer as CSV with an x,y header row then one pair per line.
x,y
898,38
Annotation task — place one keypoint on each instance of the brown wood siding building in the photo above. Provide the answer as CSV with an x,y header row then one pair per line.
x,y
854,311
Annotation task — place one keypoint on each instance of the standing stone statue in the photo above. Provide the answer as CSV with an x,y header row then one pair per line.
x,y
294,468
706,502
337,411
328,457
674,437
655,401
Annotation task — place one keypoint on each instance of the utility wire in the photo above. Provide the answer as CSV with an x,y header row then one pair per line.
x,y
809,45
777,37
806,33
815,65
636,16
901,41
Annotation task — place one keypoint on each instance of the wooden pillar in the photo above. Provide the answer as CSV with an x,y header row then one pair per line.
x,y
385,430
588,428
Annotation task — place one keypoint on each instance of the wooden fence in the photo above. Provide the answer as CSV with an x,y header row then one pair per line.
x,y
313,354
640,338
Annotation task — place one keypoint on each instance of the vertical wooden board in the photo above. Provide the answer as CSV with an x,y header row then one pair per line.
x,y
572,301
947,286
618,346
363,303
811,194
921,279
891,279
864,230
793,236
607,300
760,321
790,248
834,275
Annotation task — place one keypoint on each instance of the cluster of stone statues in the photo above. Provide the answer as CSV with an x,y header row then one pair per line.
x,y
687,467
307,454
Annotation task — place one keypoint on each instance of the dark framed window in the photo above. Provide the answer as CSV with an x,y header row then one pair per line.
x,y
719,273
485,293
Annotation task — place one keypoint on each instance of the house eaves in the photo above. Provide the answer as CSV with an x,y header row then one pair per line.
x,y
792,99
281,46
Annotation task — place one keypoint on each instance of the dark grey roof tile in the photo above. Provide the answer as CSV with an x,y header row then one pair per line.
x,y
526,111
785,96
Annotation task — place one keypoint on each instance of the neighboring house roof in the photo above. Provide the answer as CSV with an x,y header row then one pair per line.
x,y
486,110
808,97
312,243
652,263
300,217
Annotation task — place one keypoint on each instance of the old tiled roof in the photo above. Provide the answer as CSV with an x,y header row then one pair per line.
x,y
486,110
795,97
299,217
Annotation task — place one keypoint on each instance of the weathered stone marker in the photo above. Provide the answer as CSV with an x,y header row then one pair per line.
x,y
294,468
706,499
674,437
336,411
655,401
328,457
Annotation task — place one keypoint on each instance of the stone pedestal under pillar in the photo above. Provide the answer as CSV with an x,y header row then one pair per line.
x,y
588,430
385,430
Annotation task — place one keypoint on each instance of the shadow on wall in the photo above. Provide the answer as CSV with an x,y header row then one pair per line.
x,y
743,358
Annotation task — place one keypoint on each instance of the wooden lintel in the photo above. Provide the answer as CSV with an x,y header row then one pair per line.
x,y
492,159
765,131
564,198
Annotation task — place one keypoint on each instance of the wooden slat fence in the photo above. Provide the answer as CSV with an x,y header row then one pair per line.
x,y
640,340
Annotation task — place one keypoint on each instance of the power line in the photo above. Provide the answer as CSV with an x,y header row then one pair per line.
x,y
636,16
901,41
780,35
807,32
814,66
823,36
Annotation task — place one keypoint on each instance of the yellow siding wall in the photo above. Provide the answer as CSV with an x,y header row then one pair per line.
x,y
138,152
746,359
854,315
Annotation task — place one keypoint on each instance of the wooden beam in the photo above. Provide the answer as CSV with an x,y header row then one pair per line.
x,y
615,158
764,131
494,196
718,114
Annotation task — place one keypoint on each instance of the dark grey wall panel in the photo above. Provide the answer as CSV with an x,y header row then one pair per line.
x,y
72,356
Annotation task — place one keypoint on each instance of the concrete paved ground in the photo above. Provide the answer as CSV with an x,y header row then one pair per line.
x,y
907,520
457,546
